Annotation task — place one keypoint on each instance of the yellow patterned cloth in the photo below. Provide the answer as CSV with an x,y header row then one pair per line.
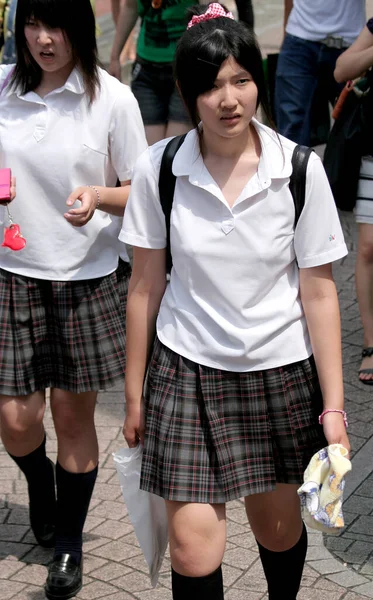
x,y
321,494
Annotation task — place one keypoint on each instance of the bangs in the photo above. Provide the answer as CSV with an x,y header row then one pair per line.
x,y
53,13
205,54
202,50
208,60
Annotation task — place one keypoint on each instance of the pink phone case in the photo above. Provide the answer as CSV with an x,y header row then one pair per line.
x,y
5,177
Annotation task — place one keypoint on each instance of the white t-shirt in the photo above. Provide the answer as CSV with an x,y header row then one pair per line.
x,y
233,298
316,19
53,145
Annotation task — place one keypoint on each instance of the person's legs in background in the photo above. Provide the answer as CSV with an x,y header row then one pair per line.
x,y
161,107
9,56
364,291
296,81
178,118
326,94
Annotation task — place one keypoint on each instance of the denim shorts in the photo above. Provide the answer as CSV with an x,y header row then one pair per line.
x,y
154,88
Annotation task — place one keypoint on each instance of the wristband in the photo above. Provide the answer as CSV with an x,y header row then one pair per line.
x,y
335,410
97,194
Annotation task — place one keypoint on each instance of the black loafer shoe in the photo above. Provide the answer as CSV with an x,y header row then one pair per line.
x,y
64,579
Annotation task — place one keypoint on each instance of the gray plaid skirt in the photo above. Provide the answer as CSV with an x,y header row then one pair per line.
x,y
213,436
63,334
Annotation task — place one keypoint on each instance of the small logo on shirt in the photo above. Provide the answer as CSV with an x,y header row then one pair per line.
x,y
331,238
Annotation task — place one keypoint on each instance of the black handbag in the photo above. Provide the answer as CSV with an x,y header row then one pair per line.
x,y
349,140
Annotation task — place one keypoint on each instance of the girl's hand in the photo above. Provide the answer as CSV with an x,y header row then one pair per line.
x,y
12,188
335,430
134,425
88,199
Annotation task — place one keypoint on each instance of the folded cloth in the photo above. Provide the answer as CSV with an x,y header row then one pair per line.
x,y
321,494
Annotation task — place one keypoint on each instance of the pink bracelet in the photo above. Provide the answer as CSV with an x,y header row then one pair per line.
x,y
97,194
335,410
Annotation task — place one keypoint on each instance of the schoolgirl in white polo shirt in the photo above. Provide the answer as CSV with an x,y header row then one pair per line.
x,y
68,131
233,392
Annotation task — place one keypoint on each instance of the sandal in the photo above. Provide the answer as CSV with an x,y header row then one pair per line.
x,y
366,352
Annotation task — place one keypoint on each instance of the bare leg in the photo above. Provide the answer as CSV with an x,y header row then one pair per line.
x,y
22,432
21,422
364,290
174,128
197,537
73,416
155,133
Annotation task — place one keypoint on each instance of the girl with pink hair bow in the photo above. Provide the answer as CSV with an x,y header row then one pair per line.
x,y
247,352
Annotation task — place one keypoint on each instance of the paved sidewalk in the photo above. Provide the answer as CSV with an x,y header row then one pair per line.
x,y
338,568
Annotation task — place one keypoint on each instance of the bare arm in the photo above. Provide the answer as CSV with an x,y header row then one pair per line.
x,y
288,5
356,59
320,303
126,21
115,9
111,200
146,290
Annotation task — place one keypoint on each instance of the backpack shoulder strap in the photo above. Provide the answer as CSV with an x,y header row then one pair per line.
x,y
297,183
166,186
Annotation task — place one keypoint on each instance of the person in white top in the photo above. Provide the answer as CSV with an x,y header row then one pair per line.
x,y
316,33
233,394
68,132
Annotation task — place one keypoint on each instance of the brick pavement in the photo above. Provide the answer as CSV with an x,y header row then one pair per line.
x,y
338,567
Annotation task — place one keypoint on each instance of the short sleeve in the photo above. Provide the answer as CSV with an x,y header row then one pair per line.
x,y
318,237
126,135
370,25
144,222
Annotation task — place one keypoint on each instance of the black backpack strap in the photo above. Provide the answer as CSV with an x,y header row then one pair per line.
x,y
297,183
166,186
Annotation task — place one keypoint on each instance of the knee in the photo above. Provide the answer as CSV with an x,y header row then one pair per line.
x,y
73,416
366,251
17,425
279,538
68,426
195,555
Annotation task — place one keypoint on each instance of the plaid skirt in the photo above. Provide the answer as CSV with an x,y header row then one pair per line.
x,y
63,334
213,436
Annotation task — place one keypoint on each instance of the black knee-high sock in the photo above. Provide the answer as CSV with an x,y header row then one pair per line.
x,y
39,473
209,587
283,570
74,491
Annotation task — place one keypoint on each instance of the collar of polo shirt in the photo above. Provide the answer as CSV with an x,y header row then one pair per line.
x,y
74,84
188,160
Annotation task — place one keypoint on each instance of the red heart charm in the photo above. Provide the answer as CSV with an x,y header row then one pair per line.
x,y
13,238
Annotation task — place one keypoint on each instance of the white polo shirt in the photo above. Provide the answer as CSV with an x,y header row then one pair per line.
x,y
233,299
315,20
53,145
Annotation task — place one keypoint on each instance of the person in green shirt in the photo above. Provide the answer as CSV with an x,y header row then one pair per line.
x,y
162,24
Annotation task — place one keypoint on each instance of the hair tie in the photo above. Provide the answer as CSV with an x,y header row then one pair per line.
x,y
214,10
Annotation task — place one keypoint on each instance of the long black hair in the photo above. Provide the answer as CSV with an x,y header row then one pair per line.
x,y
204,47
76,19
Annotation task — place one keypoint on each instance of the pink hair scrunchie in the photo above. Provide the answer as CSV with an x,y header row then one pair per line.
x,y
214,10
